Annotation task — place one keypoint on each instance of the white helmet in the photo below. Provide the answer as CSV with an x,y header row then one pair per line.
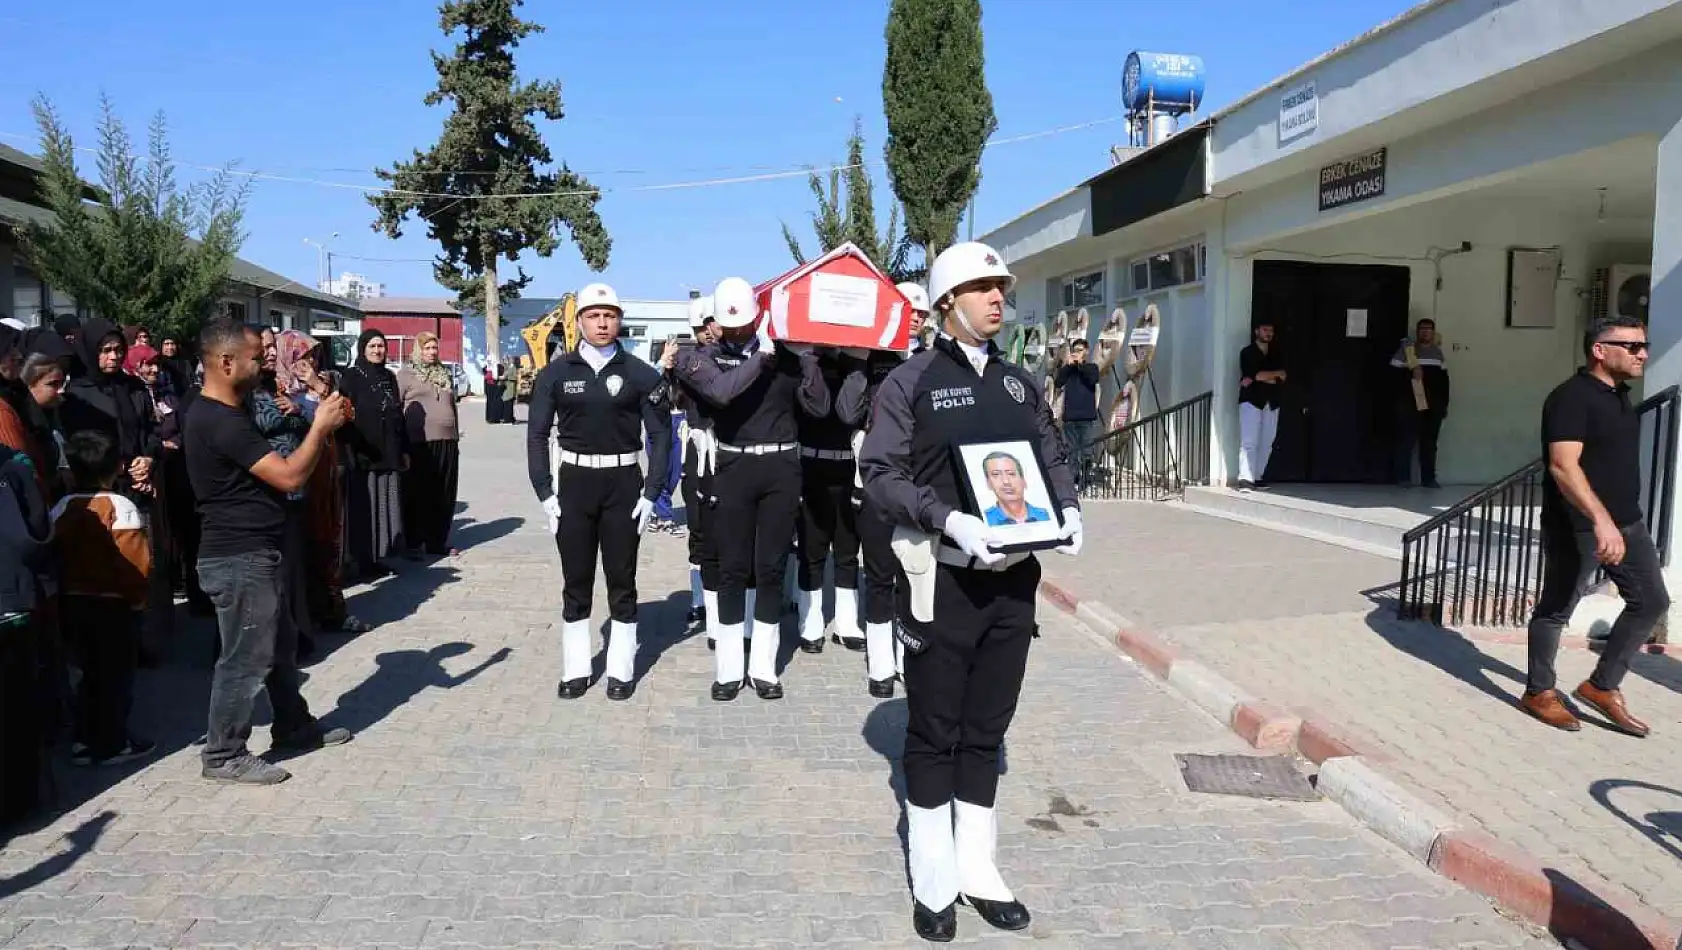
x,y
916,294
700,311
598,295
962,263
734,304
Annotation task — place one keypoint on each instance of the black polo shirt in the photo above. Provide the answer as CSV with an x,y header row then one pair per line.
x,y
1252,360
1584,409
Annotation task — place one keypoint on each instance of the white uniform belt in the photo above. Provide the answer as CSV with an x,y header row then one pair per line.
x,y
597,461
763,449
828,455
952,557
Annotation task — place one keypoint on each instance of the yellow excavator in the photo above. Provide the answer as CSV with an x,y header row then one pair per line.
x,y
538,345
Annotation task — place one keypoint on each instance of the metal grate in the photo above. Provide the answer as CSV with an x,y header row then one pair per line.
x,y
1248,776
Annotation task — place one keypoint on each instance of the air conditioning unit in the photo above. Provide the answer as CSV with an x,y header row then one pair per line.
x,y
1621,290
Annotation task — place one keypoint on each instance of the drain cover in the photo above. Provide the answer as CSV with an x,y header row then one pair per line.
x,y
1252,776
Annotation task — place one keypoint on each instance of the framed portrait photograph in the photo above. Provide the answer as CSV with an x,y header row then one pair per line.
x,y
1005,485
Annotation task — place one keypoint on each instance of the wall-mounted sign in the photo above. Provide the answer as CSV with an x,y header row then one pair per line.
x,y
1353,179
1355,323
1299,112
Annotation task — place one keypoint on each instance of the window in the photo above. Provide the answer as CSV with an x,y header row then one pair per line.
x,y
233,310
1171,268
1087,290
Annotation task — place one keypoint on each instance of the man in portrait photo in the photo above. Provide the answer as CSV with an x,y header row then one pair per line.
x,y
1004,479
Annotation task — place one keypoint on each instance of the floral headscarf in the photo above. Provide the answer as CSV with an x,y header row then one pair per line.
x,y
434,372
291,347
136,356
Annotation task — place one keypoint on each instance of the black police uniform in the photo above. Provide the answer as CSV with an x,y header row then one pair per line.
x,y
828,521
853,407
599,420
963,671
697,488
751,398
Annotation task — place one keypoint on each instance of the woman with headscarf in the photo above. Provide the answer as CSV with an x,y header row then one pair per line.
x,y
281,420
302,378
493,394
109,400
510,380
378,455
164,414
429,415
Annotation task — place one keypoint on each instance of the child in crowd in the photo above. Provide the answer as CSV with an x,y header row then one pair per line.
x,y
105,561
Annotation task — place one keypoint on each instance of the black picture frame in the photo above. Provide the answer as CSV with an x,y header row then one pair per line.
x,y
1041,534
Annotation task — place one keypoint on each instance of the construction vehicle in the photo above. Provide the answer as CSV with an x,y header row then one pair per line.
x,y
540,344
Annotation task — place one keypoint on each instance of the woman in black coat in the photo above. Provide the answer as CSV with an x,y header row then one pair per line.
x,y
378,454
106,399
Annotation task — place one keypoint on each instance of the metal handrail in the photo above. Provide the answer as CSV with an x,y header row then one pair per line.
x,y
1482,561
1152,458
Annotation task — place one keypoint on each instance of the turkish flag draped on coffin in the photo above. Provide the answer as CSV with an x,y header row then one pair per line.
x,y
839,299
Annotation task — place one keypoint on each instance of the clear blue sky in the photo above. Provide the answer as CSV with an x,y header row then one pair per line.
x,y
656,91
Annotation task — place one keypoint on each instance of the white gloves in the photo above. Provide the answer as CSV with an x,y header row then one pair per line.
x,y
552,508
767,345
972,536
1073,532
642,514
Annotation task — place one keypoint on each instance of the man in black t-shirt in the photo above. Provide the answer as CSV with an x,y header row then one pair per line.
x,y
1261,375
1077,380
239,481
1591,517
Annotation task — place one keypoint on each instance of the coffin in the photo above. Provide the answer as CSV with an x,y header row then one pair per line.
x,y
840,299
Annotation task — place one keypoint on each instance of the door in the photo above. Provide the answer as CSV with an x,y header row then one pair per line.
x,y
1336,422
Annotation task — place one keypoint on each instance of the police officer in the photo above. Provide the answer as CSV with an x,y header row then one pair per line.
x,y
696,485
598,399
965,611
750,387
828,521
866,371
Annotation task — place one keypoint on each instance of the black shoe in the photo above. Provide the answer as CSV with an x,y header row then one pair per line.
x,y
1005,915
855,644
725,692
311,739
882,689
697,616
619,691
768,690
712,644
812,646
935,927
572,689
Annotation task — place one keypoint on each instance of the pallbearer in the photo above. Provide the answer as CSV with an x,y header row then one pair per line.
x,y
828,521
965,611
750,388
697,484
599,400
866,369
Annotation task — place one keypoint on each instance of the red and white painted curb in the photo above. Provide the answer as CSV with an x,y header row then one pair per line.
x,y
1596,913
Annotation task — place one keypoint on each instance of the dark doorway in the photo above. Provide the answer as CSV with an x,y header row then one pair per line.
x,y
1336,422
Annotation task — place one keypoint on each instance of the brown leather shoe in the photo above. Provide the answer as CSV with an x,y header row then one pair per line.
x,y
1547,707
1610,703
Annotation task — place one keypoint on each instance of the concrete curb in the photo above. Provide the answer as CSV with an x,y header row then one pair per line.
x,y
1596,913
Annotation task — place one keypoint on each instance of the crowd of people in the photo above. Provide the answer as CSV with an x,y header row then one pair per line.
x,y
114,514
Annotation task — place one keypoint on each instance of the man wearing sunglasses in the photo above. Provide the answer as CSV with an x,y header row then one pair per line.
x,y
1591,518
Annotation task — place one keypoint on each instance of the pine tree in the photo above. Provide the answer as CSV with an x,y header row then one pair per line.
x,y
940,114
490,146
138,249
890,250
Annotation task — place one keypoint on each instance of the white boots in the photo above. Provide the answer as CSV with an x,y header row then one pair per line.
x,y
762,654
976,839
809,608
575,651
879,645
846,624
728,656
933,856
622,651
709,602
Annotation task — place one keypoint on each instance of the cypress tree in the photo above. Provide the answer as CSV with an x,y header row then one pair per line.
x,y
940,114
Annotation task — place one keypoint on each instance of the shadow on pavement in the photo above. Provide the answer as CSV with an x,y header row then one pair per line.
x,y
1581,914
397,597
471,534
82,839
884,733
1446,650
660,627
1663,828
399,676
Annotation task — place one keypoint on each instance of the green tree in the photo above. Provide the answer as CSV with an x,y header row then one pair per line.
x,y
139,248
490,146
854,219
940,114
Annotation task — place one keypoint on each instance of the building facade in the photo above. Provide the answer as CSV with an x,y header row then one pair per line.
x,y
353,287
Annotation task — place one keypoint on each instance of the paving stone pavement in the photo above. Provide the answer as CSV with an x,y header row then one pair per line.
x,y
475,809
1441,705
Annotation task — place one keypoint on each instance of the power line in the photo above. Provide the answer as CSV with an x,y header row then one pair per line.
x,y
668,186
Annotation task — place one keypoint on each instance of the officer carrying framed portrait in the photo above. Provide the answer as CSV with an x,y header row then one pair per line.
x,y
1005,485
